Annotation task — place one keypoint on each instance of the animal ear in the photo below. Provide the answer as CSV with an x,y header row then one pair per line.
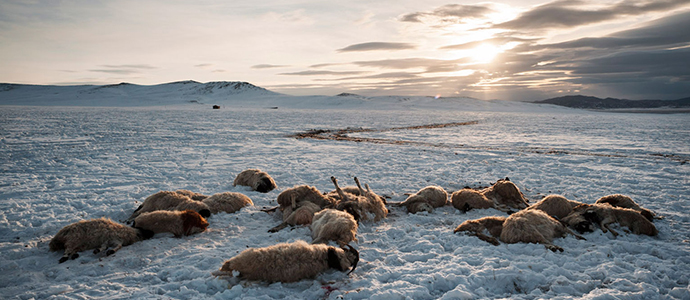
x,y
333,260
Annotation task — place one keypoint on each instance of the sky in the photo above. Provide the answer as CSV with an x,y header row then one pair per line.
x,y
512,50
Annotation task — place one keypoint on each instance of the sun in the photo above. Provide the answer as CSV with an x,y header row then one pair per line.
x,y
483,53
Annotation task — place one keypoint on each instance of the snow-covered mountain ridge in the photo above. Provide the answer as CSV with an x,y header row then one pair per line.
x,y
236,94
127,94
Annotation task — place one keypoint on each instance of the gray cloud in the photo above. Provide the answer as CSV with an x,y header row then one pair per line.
x,y
455,13
115,71
267,66
313,73
123,69
203,65
566,13
390,75
324,65
374,46
667,32
495,41
410,63
645,64
650,61
145,67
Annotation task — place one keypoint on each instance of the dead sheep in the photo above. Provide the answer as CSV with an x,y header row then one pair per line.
x,y
179,223
624,201
467,199
299,204
426,199
366,207
534,226
228,202
99,234
525,226
604,214
303,193
167,200
354,190
192,195
302,215
333,225
289,262
258,180
556,206
480,227
503,195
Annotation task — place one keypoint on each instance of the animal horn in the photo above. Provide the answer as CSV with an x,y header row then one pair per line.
x,y
356,253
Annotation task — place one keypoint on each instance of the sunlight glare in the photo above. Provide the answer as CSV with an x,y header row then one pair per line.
x,y
484,53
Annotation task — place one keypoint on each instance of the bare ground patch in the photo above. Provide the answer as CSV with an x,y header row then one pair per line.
x,y
343,135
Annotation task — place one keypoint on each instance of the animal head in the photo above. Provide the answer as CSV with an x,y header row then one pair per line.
x,y
350,208
582,218
193,222
143,233
421,206
352,256
265,185
196,206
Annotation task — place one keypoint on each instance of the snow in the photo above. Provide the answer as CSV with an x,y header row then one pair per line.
x,y
68,155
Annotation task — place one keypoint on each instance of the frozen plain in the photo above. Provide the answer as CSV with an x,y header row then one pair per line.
x,y
62,164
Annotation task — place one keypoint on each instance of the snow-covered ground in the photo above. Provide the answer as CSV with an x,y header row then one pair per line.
x,y
62,164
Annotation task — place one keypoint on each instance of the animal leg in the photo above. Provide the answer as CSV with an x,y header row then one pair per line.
x,y
103,247
359,186
269,209
553,247
486,238
539,238
70,253
606,225
117,246
338,190
279,227
577,236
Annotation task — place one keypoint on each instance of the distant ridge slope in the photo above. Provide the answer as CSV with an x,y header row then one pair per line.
x,y
128,94
589,102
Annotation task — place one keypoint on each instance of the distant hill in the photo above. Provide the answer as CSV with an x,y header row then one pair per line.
x,y
589,102
128,94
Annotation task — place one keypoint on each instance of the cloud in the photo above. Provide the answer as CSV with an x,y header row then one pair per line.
x,y
115,71
390,75
373,46
644,64
123,69
324,65
567,13
430,65
455,13
492,41
147,67
203,65
314,72
268,66
659,33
